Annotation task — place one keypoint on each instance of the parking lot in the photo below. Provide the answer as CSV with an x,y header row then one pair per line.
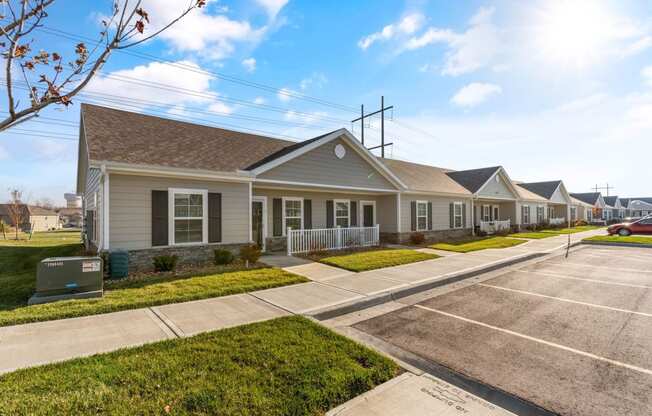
x,y
572,336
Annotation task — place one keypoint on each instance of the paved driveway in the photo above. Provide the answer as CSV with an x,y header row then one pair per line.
x,y
573,336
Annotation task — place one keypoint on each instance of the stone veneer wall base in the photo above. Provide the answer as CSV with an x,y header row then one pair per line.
x,y
142,260
434,236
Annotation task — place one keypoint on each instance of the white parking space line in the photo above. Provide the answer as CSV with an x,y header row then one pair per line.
x,y
540,341
563,276
622,256
618,269
594,305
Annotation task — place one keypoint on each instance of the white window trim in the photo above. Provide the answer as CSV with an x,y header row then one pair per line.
x,y
348,211
461,216
543,213
171,217
524,209
417,216
493,211
486,213
292,198
361,213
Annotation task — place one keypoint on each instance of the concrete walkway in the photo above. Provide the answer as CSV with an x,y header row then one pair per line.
x,y
45,342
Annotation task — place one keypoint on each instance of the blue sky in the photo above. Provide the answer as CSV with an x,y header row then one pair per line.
x,y
548,89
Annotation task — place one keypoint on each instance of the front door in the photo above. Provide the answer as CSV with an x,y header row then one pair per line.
x,y
257,223
367,215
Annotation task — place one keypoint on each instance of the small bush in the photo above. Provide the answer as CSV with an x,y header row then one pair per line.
x,y
250,253
581,223
165,263
481,233
223,257
417,239
504,232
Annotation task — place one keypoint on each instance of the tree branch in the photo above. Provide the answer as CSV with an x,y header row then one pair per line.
x,y
37,9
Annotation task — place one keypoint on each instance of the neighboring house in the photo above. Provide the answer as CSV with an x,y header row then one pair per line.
x,y
595,201
558,200
640,207
70,217
580,210
624,202
33,217
157,186
496,201
533,208
613,208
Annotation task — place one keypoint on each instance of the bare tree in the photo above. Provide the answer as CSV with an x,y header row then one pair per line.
x,y
45,202
17,210
44,76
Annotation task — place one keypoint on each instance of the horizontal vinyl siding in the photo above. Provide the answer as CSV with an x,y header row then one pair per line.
x,y
386,213
440,211
92,185
321,166
130,208
533,211
319,206
506,210
495,189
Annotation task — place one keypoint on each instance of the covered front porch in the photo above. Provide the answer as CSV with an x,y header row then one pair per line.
x,y
558,214
493,215
319,219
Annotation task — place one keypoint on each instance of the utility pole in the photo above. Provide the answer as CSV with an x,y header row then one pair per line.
x,y
606,188
362,118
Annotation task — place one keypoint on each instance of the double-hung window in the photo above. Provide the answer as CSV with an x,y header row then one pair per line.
x,y
342,213
189,211
526,214
551,212
486,213
457,215
293,213
422,215
540,214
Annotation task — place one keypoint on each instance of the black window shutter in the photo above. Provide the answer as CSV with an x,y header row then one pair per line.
x,y
413,215
430,216
277,214
354,213
463,215
214,217
90,231
160,218
329,213
451,214
307,214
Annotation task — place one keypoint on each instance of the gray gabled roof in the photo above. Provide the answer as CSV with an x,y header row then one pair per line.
x,y
588,197
473,179
625,202
286,150
644,199
610,200
544,189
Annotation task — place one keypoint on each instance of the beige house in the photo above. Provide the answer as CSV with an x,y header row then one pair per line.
x,y
32,218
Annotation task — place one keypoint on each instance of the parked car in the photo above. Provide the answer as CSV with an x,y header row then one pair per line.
x,y
641,226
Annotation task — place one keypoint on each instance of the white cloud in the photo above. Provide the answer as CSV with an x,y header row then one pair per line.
x,y
317,80
285,94
260,100
201,31
583,104
137,85
221,107
406,26
637,46
474,94
308,118
272,6
249,64
647,75
468,51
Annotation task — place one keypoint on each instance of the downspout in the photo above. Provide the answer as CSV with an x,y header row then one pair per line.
x,y
105,208
473,198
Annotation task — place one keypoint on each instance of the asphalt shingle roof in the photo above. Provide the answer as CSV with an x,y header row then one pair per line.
x,y
424,178
544,189
473,179
610,200
589,197
126,137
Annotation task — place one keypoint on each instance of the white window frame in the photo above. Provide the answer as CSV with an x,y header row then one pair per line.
x,y
460,216
551,211
292,198
494,209
543,213
573,213
348,211
172,217
523,211
486,213
361,213
426,216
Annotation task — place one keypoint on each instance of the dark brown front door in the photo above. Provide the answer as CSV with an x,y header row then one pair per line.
x,y
257,222
367,215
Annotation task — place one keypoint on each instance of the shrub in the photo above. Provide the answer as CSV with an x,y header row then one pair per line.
x,y
581,223
223,257
165,263
250,253
504,232
481,233
417,239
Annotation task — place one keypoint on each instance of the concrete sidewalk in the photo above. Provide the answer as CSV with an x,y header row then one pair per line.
x,y
45,342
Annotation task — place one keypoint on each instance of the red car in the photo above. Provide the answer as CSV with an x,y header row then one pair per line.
x,y
642,226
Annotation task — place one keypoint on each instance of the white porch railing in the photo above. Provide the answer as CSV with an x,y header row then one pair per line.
x,y
305,241
491,227
556,221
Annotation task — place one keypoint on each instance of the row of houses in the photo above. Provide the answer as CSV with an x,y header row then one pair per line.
x,y
35,218
600,208
156,186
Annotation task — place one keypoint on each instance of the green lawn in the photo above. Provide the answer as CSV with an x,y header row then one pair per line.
x,y
286,366
633,239
17,274
573,230
533,235
376,259
478,244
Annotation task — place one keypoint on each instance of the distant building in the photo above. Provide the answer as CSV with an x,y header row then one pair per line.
x,y
32,217
70,217
73,200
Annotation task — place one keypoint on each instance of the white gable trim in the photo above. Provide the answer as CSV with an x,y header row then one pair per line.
x,y
350,140
600,202
500,171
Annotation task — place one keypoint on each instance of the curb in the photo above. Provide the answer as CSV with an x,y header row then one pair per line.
x,y
615,244
392,295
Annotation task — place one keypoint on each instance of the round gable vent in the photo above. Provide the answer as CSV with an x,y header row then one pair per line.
x,y
340,151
